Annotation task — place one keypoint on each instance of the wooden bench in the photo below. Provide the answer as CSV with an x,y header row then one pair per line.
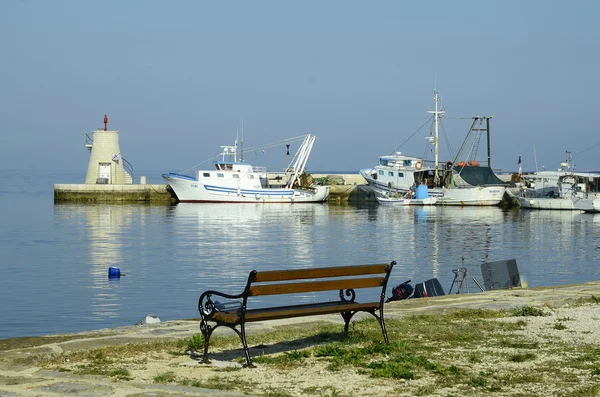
x,y
345,279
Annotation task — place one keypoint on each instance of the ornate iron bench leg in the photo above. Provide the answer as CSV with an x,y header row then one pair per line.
x,y
245,344
347,316
382,323
207,331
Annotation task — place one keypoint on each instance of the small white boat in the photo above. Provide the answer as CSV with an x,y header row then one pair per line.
x,y
406,201
419,197
235,181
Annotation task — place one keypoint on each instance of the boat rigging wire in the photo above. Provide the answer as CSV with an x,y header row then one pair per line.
x,y
262,147
583,151
414,133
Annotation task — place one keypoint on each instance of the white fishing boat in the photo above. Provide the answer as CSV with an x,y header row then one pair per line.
x,y
557,190
458,182
571,188
232,180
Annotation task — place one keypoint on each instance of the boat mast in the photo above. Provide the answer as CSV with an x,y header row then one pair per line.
x,y
436,114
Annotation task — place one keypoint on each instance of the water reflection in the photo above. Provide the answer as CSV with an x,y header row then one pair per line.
x,y
170,254
106,232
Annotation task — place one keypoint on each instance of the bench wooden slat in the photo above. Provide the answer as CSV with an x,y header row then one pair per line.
x,y
315,286
339,271
296,311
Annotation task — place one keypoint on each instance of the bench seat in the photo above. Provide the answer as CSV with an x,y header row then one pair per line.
x,y
312,309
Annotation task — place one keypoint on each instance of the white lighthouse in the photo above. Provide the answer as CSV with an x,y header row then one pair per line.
x,y
106,165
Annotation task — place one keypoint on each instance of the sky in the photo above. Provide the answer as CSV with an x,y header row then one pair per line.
x,y
177,78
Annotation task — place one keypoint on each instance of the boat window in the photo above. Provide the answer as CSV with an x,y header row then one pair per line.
x,y
206,175
383,162
390,173
401,175
250,176
220,175
236,176
407,163
380,172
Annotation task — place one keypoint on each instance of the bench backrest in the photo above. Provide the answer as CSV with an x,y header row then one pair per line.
x,y
337,278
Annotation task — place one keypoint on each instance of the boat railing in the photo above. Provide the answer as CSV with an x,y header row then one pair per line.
x,y
259,169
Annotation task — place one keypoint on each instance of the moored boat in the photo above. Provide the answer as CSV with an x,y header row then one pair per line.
x,y
462,182
420,197
558,190
406,201
233,180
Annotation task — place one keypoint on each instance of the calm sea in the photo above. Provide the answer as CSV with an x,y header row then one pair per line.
x,y
55,257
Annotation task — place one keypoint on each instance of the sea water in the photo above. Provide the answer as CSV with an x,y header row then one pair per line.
x,y
55,257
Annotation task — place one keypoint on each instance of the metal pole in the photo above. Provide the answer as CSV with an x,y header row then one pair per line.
x,y
487,120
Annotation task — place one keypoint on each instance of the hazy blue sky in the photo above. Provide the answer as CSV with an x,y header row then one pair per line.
x,y
176,77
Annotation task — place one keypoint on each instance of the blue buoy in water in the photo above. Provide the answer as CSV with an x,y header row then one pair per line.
x,y
114,272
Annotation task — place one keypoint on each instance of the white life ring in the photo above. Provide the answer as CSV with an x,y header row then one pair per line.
x,y
418,165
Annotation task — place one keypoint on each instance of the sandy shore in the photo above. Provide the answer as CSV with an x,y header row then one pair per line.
x,y
575,305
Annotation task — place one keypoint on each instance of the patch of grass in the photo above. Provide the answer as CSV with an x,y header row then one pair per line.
x,y
285,360
93,369
521,357
327,391
271,392
515,379
477,381
559,325
402,366
591,355
166,377
196,342
585,391
529,311
593,299
34,341
392,369
515,343
230,369
218,383
426,390
475,357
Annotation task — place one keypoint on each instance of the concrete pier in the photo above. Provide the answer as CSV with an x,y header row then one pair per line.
x,y
343,188
153,194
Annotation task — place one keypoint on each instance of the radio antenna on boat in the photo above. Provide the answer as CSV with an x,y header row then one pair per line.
x,y
242,142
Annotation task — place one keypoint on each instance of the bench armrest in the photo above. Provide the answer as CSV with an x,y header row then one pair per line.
x,y
207,307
